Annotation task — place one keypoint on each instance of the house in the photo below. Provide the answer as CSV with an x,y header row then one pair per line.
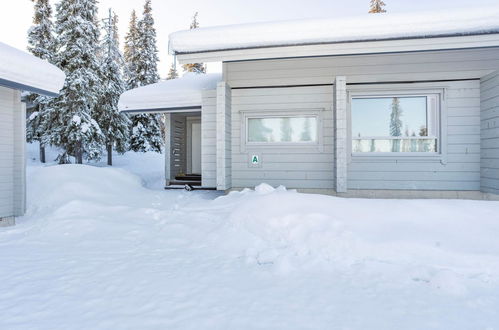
x,y
19,71
385,105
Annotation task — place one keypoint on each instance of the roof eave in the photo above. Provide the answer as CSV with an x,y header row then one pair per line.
x,y
352,47
163,109
28,88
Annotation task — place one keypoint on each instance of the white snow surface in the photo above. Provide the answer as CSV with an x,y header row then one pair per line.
x,y
99,250
182,92
25,69
365,27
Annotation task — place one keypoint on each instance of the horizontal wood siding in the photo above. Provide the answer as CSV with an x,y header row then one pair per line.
x,y
7,132
306,168
208,141
490,133
460,165
443,65
292,166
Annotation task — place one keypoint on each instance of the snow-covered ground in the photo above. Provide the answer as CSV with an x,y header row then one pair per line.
x,y
106,248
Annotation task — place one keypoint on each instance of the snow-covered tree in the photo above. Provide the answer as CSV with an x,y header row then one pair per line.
x,y
41,43
148,64
194,67
172,74
72,127
396,122
113,124
146,129
377,6
132,53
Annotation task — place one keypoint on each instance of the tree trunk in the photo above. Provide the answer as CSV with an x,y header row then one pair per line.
x,y
42,153
110,154
79,155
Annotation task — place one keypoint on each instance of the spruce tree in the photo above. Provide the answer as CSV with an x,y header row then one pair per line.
x,y
194,67
377,6
41,44
396,123
146,129
131,53
113,124
172,74
148,64
72,127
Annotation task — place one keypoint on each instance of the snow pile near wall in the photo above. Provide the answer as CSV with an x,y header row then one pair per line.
x,y
329,30
28,71
98,250
174,93
419,240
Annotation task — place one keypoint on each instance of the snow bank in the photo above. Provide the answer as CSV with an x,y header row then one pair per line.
x,y
174,93
28,71
97,250
296,230
329,30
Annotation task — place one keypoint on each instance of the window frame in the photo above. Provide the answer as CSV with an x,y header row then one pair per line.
x,y
440,126
289,113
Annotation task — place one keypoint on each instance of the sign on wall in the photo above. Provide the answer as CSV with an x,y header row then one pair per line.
x,y
255,160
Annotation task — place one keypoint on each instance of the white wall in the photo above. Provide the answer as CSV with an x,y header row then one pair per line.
x,y
490,133
12,154
209,139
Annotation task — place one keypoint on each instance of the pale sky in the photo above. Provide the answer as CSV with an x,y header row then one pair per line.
x,y
171,16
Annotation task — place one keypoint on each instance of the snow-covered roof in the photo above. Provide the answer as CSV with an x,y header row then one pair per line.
x,y
367,27
174,94
20,70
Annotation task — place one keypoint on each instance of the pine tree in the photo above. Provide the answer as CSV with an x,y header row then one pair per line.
x,y
194,67
41,43
377,6
396,123
72,127
114,125
148,64
146,129
132,54
172,74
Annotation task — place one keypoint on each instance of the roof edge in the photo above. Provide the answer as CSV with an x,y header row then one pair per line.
x,y
19,86
169,109
448,35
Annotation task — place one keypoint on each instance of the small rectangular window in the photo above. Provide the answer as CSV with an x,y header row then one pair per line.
x,y
292,129
395,124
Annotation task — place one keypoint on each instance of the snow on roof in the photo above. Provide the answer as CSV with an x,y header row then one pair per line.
x,y
183,92
20,70
368,27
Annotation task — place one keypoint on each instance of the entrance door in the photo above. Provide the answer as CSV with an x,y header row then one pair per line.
x,y
196,148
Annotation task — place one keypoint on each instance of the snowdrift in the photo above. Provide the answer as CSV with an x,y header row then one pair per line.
x,y
98,250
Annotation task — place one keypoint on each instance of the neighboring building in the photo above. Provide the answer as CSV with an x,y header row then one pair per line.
x,y
19,71
391,105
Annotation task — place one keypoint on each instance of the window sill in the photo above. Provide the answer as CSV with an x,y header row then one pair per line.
x,y
398,158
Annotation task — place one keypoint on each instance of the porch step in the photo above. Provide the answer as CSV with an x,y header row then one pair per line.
x,y
184,182
188,177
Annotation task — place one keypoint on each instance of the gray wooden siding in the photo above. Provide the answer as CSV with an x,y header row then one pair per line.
x,y
292,166
208,141
442,65
490,133
306,168
12,154
459,166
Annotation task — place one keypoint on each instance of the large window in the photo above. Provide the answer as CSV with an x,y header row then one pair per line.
x,y
282,129
395,124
